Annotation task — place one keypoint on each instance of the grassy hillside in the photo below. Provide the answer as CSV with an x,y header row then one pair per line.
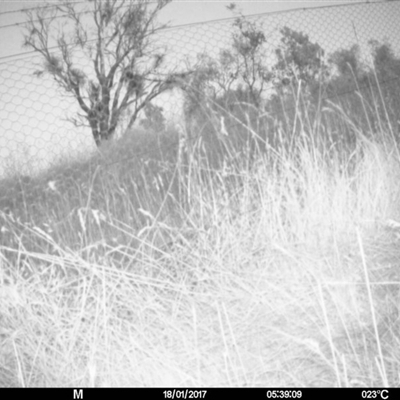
x,y
143,268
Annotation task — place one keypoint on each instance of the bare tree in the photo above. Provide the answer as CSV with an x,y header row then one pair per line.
x,y
103,56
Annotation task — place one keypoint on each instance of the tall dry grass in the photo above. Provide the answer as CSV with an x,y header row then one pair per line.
x,y
153,272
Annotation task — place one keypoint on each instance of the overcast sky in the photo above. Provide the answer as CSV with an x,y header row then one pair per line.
x,y
179,12
33,113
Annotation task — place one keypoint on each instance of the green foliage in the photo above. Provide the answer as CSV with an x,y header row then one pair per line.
x,y
302,91
154,118
121,71
299,60
347,61
368,92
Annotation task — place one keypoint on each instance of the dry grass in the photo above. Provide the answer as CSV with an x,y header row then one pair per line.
x,y
161,274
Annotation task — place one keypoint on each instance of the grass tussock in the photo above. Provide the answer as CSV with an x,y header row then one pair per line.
x,y
142,268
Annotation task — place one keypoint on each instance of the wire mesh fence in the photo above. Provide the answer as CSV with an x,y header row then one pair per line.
x,y
67,210
35,132
43,154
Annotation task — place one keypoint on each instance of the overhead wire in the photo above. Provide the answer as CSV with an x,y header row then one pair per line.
x,y
24,10
28,53
343,93
49,5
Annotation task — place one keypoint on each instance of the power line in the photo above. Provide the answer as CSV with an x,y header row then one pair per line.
x,y
44,19
23,11
168,28
218,20
22,24
29,53
48,5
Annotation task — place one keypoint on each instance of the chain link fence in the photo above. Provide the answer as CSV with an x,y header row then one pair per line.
x,y
133,234
35,133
